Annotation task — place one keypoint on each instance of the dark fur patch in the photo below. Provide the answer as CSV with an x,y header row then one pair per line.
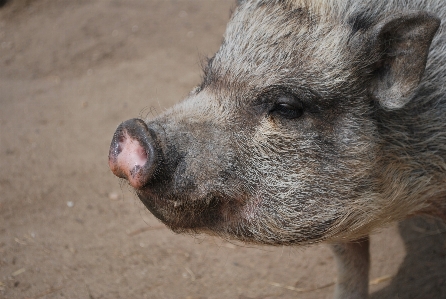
x,y
209,74
360,21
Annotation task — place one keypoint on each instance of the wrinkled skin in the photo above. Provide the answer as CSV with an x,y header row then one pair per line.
x,y
313,122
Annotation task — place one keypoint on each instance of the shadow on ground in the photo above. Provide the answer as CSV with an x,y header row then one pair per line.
x,y
423,271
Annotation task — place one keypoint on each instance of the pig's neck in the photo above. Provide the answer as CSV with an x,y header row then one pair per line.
x,y
414,153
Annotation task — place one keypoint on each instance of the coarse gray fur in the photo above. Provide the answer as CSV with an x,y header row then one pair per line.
x,y
363,153
354,169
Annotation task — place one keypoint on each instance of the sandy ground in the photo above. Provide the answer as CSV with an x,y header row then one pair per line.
x,y
70,72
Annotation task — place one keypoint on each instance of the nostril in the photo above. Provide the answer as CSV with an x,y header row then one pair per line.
x,y
121,139
133,153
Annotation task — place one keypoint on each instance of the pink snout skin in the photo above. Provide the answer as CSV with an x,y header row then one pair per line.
x,y
128,160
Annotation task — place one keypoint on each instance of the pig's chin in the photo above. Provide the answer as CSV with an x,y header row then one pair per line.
x,y
225,217
211,214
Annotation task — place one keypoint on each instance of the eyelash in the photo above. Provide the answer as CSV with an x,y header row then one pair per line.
x,y
287,111
287,106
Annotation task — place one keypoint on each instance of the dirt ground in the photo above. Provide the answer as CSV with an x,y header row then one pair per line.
x,y
70,72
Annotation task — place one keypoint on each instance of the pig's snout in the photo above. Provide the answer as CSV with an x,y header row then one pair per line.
x,y
134,153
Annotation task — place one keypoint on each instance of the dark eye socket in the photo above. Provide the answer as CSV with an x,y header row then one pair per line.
x,y
287,106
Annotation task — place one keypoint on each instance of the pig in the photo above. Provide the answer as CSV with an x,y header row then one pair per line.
x,y
315,121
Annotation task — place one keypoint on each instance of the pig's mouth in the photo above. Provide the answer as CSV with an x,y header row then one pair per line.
x,y
211,214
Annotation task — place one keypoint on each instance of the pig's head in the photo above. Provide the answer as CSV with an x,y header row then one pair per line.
x,y
280,142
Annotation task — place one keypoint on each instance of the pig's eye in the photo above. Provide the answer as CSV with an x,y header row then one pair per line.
x,y
288,107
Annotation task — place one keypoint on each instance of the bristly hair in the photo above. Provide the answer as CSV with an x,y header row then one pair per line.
x,y
264,45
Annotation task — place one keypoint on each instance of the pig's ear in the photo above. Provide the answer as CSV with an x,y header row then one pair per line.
x,y
402,43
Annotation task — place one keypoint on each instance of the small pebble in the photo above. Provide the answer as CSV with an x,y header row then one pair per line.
x,y
113,196
18,272
70,204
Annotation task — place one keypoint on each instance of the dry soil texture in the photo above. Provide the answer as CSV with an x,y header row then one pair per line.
x,y
70,72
